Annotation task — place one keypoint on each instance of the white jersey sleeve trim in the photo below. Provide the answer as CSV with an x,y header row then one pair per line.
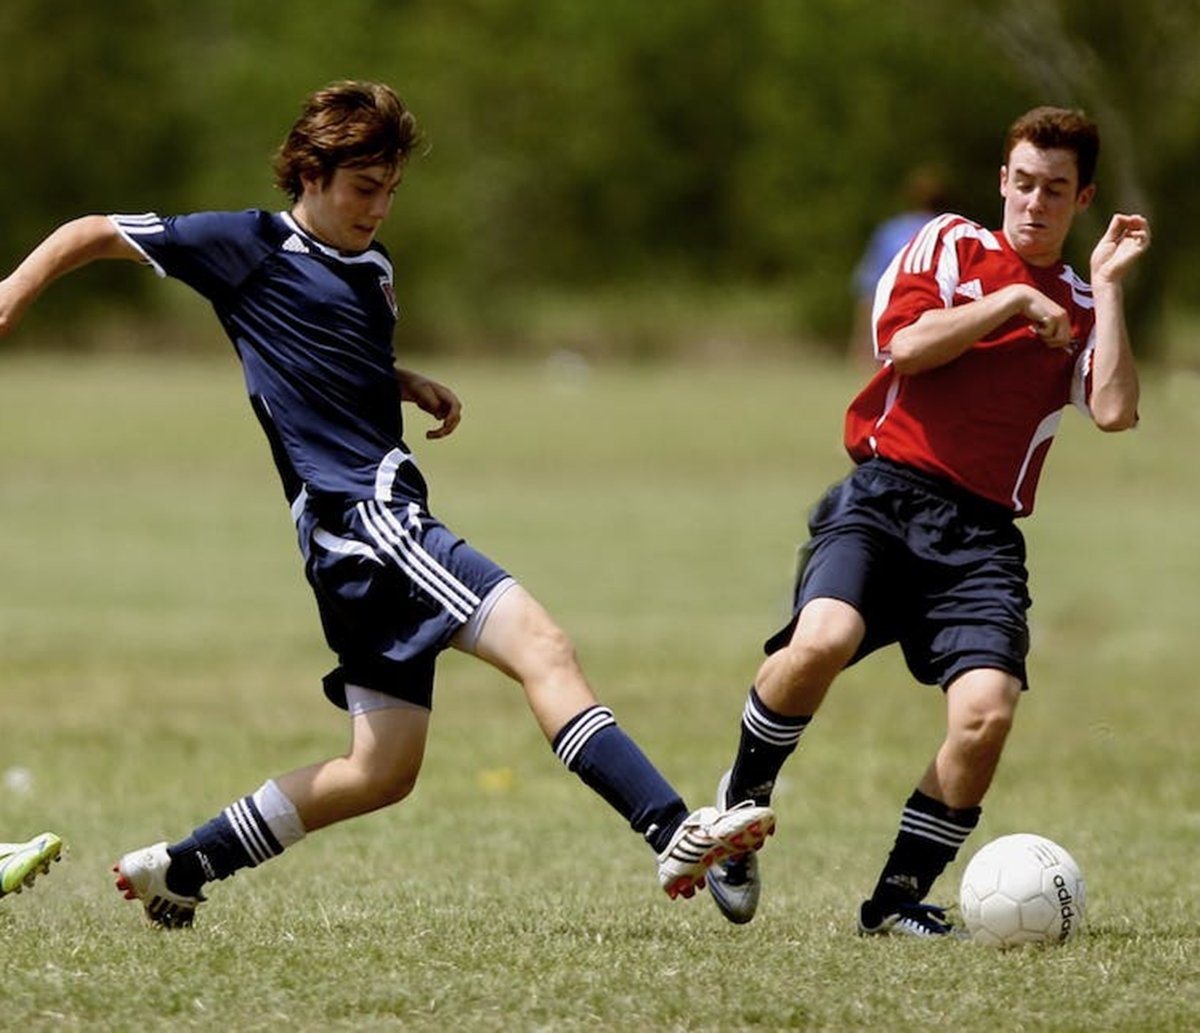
x,y
133,226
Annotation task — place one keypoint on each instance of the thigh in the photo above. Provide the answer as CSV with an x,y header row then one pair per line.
x,y
393,586
855,566
390,739
520,638
973,614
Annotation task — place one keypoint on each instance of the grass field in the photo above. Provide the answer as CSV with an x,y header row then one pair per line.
x,y
159,656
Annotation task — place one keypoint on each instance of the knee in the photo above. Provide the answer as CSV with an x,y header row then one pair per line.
x,y
551,648
384,784
986,724
817,656
396,788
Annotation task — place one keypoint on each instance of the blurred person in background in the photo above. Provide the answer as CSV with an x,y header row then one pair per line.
x,y
926,196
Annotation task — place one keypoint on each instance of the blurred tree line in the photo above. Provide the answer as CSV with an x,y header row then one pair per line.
x,y
616,156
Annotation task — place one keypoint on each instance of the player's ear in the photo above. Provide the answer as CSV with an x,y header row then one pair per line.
x,y
1085,196
1003,180
310,182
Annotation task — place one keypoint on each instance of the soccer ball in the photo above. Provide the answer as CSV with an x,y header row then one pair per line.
x,y
1022,889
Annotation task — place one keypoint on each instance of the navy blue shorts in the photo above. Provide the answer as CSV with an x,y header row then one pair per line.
x,y
393,586
928,565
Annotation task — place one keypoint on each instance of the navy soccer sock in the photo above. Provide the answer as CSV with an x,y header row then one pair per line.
x,y
239,837
608,761
767,740
929,837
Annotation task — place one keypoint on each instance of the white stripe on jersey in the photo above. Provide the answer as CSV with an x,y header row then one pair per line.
x,y
343,546
1081,290
918,256
370,257
946,230
1045,431
1081,383
132,226
397,543
893,392
148,222
385,474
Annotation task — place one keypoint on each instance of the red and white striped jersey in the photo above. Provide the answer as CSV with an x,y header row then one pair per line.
x,y
985,420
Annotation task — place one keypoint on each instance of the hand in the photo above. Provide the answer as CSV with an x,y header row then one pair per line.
x,y
431,397
1123,243
1049,320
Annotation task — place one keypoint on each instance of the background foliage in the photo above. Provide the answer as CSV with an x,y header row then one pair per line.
x,y
620,163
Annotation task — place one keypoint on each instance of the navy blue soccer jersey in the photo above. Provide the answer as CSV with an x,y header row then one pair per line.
x,y
313,329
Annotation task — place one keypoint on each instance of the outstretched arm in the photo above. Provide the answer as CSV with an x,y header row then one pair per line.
x,y
72,245
1114,397
434,398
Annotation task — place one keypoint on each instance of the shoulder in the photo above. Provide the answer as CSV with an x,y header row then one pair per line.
x,y
948,237
199,226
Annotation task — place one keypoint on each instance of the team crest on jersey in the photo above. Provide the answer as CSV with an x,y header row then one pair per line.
x,y
389,293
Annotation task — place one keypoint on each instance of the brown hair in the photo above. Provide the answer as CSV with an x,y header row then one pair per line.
x,y
346,124
1059,129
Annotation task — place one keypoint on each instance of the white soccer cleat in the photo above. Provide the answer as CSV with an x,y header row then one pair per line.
x,y
706,837
142,875
734,882
22,863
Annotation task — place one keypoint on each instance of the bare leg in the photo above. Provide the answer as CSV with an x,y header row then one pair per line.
x,y
980,706
521,639
794,680
386,750
941,814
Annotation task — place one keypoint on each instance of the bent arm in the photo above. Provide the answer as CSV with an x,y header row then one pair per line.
x,y
434,398
71,246
1115,390
940,335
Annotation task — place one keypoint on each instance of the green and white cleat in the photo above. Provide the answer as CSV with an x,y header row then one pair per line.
x,y
21,863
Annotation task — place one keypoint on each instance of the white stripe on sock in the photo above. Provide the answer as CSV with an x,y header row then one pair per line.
x,y
774,732
586,725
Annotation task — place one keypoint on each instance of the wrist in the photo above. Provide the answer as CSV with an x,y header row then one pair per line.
x,y
1103,287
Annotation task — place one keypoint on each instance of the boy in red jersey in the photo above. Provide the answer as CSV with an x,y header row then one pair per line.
x,y
985,337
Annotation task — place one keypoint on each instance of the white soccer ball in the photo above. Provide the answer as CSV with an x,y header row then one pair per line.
x,y
1022,889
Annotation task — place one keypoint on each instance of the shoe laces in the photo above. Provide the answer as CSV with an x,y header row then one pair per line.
x,y
922,919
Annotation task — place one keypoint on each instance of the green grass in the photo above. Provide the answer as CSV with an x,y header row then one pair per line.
x,y
159,656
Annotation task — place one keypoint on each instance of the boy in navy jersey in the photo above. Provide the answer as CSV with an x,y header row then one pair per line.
x,y
307,299
985,337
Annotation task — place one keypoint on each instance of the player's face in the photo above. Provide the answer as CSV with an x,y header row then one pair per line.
x,y
1041,198
347,212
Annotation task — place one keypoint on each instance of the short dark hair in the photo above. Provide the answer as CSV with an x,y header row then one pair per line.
x,y
346,124
1051,128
